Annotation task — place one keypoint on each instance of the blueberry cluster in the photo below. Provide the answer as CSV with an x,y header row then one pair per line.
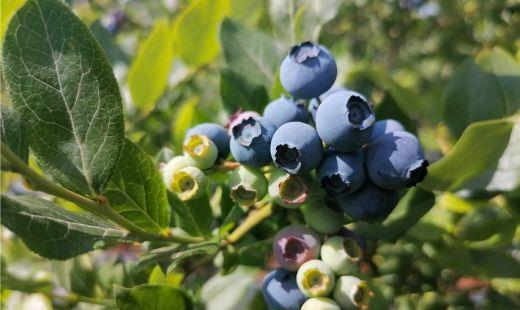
x,y
304,281
332,160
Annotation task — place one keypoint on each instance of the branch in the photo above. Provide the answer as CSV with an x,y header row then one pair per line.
x,y
253,219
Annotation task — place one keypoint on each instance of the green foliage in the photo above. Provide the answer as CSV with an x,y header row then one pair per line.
x,y
61,83
13,133
152,297
196,31
53,232
137,192
148,74
483,89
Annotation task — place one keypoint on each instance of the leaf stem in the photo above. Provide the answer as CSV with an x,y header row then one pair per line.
x,y
253,219
40,183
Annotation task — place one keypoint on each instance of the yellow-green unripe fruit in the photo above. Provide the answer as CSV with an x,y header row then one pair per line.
x,y
320,303
200,151
173,166
321,218
351,292
287,190
342,254
247,186
315,278
189,183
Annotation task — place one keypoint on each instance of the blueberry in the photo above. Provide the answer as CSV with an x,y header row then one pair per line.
x,y
341,173
247,186
296,148
281,292
284,110
369,203
345,121
308,71
315,278
396,160
351,293
173,166
238,117
200,151
385,126
250,141
216,133
341,254
287,190
320,303
189,183
294,245
314,103
321,218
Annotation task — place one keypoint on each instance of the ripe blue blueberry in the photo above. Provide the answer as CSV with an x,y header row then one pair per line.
x,y
369,203
250,141
314,103
308,71
296,148
345,121
281,292
294,245
385,126
284,110
396,160
341,173
216,133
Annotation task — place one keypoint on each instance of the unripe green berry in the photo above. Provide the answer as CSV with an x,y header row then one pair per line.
x,y
320,303
342,254
173,166
247,186
321,218
287,190
189,183
351,292
315,278
200,151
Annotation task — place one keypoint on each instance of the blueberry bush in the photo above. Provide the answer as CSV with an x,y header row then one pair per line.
x,y
274,154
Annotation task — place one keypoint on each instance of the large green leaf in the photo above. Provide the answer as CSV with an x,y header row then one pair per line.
x,y
196,30
184,218
60,81
239,93
52,231
411,208
484,89
137,191
252,55
484,158
150,297
148,74
208,248
12,132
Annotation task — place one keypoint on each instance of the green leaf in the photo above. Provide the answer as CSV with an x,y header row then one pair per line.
x,y
231,220
196,30
484,223
252,55
178,258
7,10
184,218
484,89
53,232
255,253
60,81
485,157
82,276
106,40
150,297
411,208
240,93
137,191
13,133
232,291
148,74
184,119
202,213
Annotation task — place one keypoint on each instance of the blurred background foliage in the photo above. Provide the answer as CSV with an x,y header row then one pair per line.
x,y
436,65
